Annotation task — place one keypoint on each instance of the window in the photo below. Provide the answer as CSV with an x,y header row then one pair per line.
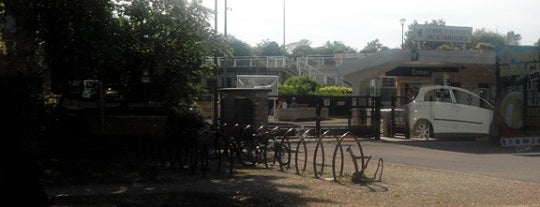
x,y
438,95
388,83
466,98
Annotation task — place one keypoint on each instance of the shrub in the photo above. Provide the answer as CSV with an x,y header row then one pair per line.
x,y
334,91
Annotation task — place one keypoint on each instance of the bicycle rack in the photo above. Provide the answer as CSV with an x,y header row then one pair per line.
x,y
301,147
321,146
359,169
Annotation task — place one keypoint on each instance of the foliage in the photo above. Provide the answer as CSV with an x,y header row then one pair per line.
x,y
238,47
169,40
410,34
485,39
270,48
335,47
373,47
334,91
301,48
512,38
298,85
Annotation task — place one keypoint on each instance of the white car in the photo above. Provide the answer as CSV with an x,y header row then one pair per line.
x,y
448,110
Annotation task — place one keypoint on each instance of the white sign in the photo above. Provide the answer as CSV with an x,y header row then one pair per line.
x,y
434,33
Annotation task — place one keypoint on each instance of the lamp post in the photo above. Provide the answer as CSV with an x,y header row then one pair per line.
x,y
215,80
402,22
283,24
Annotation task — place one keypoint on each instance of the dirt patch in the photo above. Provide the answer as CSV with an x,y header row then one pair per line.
x,y
154,185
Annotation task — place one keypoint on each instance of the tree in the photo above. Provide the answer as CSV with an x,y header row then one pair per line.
x,y
487,40
298,85
81,41
335,47
270,48
512,38
238,47
301,48
410,35
169,40
373,47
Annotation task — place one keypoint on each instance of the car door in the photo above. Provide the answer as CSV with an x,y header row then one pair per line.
x,y
471,116
443,111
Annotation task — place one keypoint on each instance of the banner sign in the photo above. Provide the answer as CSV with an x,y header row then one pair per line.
x,y
435,33
518,95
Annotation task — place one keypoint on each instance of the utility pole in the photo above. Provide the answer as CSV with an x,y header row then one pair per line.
x,y
402,22
215,91
283,24
224,80
225,20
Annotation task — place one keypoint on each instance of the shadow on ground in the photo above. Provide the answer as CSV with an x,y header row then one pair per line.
x,y
106,177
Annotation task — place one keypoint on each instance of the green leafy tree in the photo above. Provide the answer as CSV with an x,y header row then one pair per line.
x,y
373,47
485,39
335,47
169,40
409,41
270,48
238,47
301,48
298,85
81,41
512,38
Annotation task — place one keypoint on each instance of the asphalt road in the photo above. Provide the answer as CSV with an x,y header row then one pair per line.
x,y
473,157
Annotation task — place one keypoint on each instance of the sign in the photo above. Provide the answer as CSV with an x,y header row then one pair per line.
x,y
435,33
517,109
326,102
408,71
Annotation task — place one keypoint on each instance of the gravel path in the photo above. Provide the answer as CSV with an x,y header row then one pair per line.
x,y
401,185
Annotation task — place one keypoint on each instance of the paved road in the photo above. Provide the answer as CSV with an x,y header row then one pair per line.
x,y
463,156
472,157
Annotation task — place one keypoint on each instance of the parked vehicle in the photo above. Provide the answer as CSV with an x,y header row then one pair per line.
x,y
448,110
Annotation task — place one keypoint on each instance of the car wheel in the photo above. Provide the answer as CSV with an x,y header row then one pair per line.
x,y
422,129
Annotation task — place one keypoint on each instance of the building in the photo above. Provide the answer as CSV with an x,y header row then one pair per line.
x,y
393,72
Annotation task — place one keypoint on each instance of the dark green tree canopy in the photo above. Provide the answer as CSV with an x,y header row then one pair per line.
x,y
115,42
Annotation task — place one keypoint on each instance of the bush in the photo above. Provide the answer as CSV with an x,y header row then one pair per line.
x,y
334,91
298,85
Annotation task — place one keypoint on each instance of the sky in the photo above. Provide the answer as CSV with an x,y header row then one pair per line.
x,y
357,22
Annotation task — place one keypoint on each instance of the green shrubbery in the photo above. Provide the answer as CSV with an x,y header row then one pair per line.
x,y
334,91
303,85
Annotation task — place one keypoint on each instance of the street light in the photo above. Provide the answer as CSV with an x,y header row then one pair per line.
x,y
283,24
402,22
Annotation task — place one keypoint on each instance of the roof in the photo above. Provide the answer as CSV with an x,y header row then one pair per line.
x,y
378,64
